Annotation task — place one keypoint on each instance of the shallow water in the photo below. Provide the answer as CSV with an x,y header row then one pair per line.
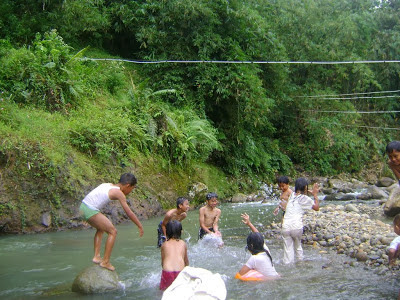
x,y
45,265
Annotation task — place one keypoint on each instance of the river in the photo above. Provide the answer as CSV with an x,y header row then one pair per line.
x,y
43,266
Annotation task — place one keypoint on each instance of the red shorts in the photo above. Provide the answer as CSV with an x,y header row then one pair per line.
x,y
167,277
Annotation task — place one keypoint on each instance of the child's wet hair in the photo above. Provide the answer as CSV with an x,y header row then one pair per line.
x,y
128,178
282,179
180,201
255,244
174,230
301,184
394,145
211,195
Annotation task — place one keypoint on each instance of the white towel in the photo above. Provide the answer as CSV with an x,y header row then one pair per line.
x,y
196,283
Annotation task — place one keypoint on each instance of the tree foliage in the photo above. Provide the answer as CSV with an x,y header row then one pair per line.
x,y
251,118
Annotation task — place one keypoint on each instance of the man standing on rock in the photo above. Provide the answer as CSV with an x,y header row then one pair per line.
x,y
96,200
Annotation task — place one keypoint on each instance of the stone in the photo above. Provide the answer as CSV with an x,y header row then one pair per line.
x,y
376,192
239,198
46,219
96,280
351,207
385,182
361,256
392,205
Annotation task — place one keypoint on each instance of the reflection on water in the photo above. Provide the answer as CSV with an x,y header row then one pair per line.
x,y
45,265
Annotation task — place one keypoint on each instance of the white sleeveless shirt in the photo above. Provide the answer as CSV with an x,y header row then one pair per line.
x,y
98,197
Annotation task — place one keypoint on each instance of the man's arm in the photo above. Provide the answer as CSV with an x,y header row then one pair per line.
x,y
216,220
164,223
186,259
115,194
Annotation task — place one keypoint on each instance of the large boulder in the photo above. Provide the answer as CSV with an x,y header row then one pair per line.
x,y
392,205
376,192
239,198
96,280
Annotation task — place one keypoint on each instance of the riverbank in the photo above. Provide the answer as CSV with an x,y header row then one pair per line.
x,y
359,231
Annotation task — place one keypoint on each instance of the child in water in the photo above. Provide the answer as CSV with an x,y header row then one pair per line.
x,y
393,151
283,184
292,224
209,216
260,260
178,213
95,201
173,254
394,248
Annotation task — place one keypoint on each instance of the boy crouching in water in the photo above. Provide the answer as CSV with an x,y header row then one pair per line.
x,y
173,254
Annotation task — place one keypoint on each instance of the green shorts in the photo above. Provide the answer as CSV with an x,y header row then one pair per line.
x,y
87,212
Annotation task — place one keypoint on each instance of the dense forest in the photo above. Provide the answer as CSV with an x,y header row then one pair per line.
x,y
92,88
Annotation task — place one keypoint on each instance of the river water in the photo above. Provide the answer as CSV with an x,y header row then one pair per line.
x,y
43,266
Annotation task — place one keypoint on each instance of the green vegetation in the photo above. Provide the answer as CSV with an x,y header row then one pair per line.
x,y
67,121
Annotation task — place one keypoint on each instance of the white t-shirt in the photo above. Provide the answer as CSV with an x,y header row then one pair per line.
x,y
98,197
261,263
297,204
395,243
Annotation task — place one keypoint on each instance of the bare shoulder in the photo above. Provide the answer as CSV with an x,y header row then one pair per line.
x,y
116,194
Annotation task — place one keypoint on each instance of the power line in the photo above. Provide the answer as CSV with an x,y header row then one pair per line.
x,y
242,61
365,93
353,112
355,98
344,125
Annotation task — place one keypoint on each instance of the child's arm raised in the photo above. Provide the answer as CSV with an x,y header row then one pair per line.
x,y
246,220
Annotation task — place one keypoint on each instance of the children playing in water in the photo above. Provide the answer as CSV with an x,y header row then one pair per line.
x,y
259,267
394,248
209,216
178,213
283,184
173,254
292,225
95,201
393,151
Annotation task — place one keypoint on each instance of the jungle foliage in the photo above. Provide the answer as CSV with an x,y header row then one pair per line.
x,y
253,119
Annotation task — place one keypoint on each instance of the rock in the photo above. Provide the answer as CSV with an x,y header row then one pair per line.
x,y
385,182
392,205
96,280
239,198
351,207
46,219
338,184
376,192
364,196
361,256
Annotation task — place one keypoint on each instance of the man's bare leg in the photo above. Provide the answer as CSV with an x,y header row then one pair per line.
x,y
97,244
103,224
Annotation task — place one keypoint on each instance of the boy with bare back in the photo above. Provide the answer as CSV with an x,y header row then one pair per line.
x,y
90,209
283,184
173,254
179,213
209,216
